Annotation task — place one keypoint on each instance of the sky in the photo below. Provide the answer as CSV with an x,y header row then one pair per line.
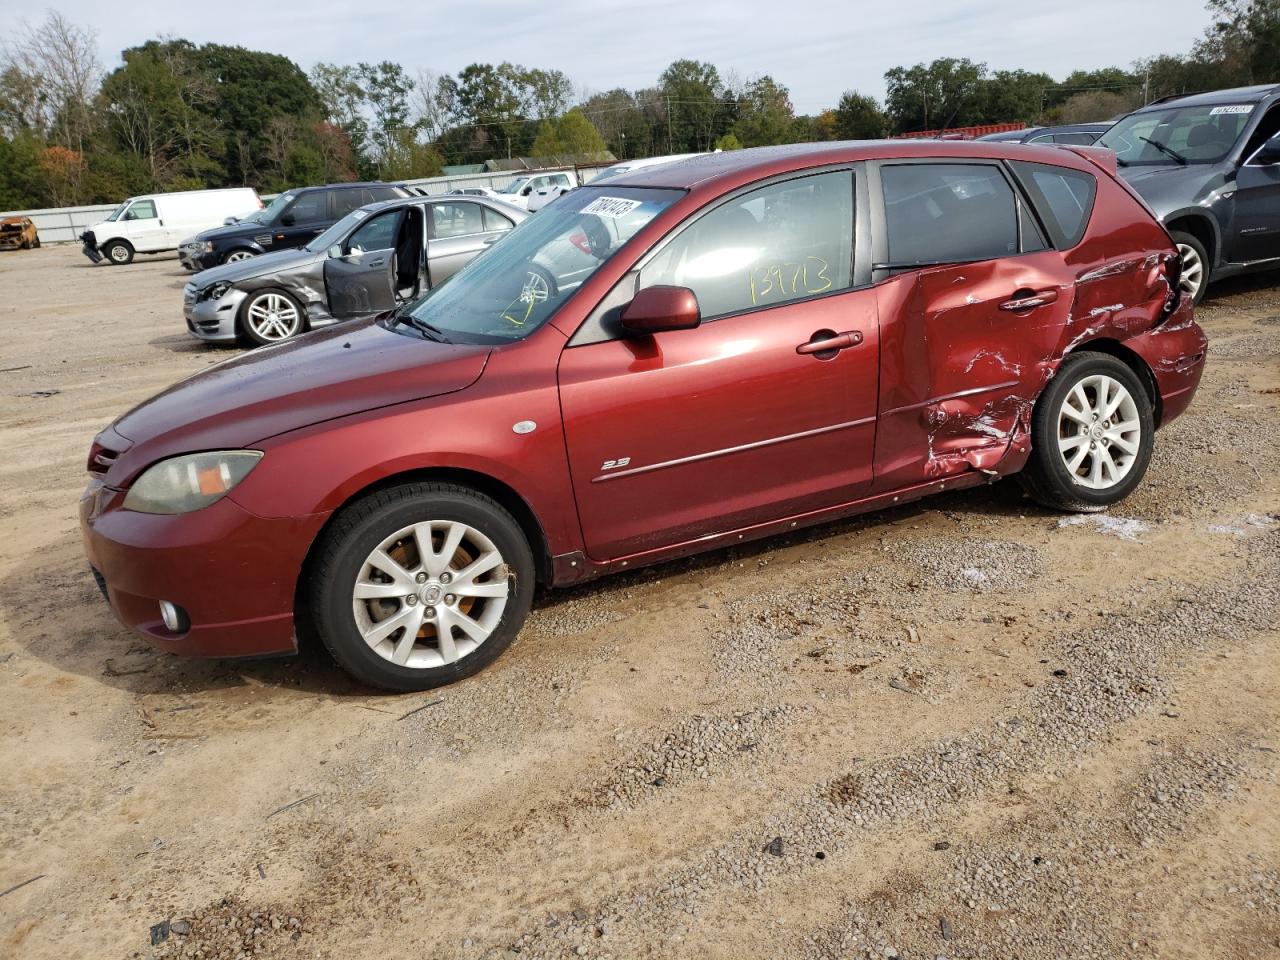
x,y
818,48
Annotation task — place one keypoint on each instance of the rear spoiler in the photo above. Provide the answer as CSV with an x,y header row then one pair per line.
x,y
1100,157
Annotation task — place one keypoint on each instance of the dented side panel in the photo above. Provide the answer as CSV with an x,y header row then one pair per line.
x,y
960,375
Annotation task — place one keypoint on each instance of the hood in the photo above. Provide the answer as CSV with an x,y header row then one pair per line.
x,y
1171,188
241,228
342,370
258,266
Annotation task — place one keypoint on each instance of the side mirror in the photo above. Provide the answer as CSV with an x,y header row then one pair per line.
x,y
335,251
1268,153
526,191
287,220
656,309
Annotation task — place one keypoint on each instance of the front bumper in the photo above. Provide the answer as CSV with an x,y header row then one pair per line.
x,y
90,251
233,573
196,258
213,320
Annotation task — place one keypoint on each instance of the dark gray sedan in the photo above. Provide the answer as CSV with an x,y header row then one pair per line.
x,y
371,260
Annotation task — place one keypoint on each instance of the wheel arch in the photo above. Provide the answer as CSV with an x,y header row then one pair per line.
x,y
1114,348
270,287
490,486
1204,228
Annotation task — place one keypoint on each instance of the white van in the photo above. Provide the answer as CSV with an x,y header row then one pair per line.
x,y
160,221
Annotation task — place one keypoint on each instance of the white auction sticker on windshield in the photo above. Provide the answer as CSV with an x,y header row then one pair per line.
x,y
613,207
1234,108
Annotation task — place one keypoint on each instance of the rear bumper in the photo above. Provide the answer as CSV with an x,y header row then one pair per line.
x,y
234,574
1175,351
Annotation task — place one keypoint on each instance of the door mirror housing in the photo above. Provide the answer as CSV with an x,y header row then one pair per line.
x,y
335,251
287,220
1268,153
526,191
657,309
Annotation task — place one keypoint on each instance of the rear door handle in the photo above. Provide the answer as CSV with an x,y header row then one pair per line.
x,y
1029,300
830,342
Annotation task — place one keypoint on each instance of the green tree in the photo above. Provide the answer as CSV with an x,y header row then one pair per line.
x,y
691,90
765,114
386,89
342,100
1012,95
1244,39
859,117
930,96
728,142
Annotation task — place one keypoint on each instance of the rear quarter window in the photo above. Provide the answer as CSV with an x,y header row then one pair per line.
x,y
1064,198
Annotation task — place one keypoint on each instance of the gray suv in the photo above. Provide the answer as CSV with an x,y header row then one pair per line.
x,y
1208,165
369,262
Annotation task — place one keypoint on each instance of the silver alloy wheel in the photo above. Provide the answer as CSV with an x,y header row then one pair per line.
x,y
1192,274
120,253
430,594
1099,432
273,316
535,289
237,255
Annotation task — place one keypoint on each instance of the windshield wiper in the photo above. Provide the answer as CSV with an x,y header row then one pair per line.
x,y
426,329
1167,151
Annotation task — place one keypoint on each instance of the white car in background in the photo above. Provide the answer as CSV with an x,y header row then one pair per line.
x,y
533,191
626,166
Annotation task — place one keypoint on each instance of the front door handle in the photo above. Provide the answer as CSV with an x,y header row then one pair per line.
x,y
830,342
1029,299
377,263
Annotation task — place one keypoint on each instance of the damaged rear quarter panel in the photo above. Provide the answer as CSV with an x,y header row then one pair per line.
x,y
960,376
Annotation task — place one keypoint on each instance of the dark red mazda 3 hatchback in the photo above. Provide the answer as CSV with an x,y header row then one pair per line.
x,y
692,355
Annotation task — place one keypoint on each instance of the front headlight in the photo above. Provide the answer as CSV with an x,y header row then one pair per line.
x,y
208,246
186,483
216,291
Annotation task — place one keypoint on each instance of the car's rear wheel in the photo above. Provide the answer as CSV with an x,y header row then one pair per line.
x,y
1194,275
269,316
237,256
421,585
1092,434
118,252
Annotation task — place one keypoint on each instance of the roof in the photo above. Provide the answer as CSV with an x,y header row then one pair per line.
x,y
1234,95
758,162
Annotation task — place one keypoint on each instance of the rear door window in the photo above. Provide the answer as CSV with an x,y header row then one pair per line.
x,y
780,243
1063,197
344,201
455,220
948,213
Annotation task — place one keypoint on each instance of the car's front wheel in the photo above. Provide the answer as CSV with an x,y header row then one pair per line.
x,y
118,252
1193,278
421,585
269,316
238,256
1091,435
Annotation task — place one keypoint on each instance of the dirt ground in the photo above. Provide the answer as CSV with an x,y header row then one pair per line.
x,y
967,728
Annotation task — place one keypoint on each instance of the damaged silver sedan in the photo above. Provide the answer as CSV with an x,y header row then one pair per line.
x,y
375,258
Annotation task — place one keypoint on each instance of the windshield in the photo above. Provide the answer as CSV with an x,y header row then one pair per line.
x,y
339,230
517,284
1177,136
269,212
515,185
118,211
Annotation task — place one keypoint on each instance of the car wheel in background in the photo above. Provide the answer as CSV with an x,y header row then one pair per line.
x,y
236,256
420,585
1194,277
118,252
269,316
1091,435
35,244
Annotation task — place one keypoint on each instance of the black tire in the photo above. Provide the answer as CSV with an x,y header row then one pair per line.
x,y
247,329
1046,477
35,244
1186,239
360,528
118,252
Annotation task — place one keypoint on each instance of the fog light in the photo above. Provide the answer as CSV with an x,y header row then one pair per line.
x,y
174,617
